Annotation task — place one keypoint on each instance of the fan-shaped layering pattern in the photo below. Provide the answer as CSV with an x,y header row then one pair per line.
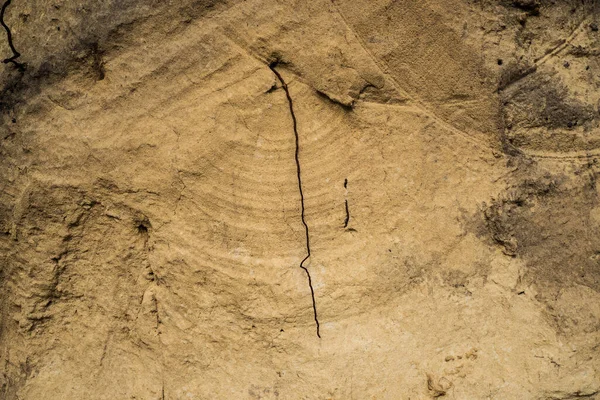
x,y
176,176
219,149
218,152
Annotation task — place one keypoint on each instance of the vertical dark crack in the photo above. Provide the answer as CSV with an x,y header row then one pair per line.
x,y
298,170
16,54
347,220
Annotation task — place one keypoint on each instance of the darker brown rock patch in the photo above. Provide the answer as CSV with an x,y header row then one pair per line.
x,y
548,220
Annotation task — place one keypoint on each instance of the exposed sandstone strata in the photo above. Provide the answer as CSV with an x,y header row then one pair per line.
x,y
153,230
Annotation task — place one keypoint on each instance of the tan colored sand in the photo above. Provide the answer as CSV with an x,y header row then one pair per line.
x,y
151,216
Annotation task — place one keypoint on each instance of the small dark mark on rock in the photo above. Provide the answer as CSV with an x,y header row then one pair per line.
x,y
521,292
142,229
14,121
566,64
594,27
329,97
347,219
500,62
272,88
531,7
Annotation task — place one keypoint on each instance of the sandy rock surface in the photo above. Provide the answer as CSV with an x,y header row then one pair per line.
x,y
166,169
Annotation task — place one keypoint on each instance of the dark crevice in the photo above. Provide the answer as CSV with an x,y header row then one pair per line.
x,y
298,170
346,106
16,54
347,220
531,7
142,229
347,215
272,88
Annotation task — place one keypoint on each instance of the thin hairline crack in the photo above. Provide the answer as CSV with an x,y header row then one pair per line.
x,y
298,170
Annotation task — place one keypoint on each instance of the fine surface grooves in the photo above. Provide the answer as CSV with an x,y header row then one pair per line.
x,y
289,98
16,54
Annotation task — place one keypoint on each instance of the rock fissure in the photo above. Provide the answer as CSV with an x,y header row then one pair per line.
x,y
347,219
16,54
299,173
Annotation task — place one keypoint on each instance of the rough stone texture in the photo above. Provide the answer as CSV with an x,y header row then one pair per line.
x,y
150,215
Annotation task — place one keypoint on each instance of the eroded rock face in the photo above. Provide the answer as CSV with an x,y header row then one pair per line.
x,y
163,165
